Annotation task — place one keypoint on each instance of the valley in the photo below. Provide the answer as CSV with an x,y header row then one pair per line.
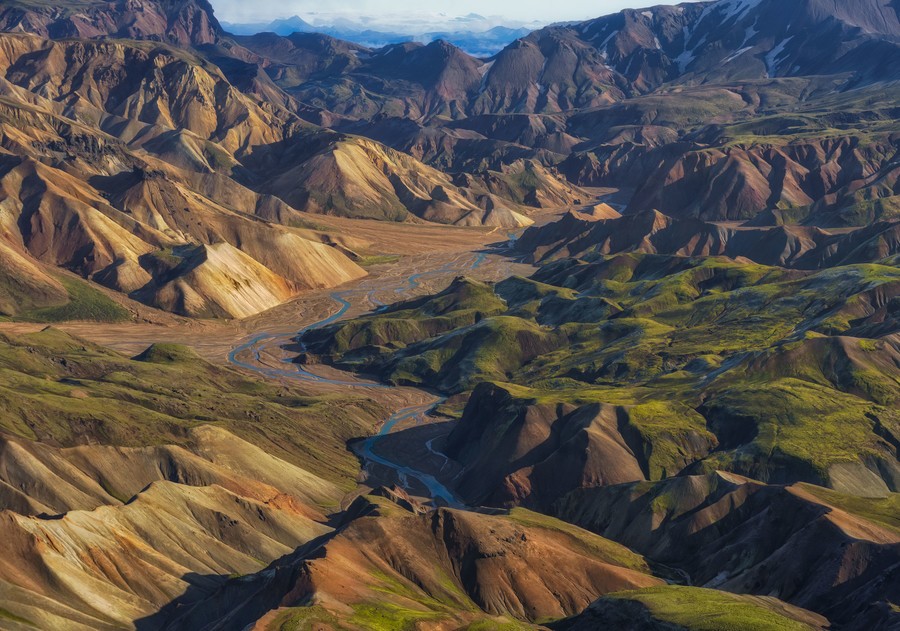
x,y
598,330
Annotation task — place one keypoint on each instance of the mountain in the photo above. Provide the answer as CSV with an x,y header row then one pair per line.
x,y
723,97
360,178
729,420
116,496
110,177
180,23
635,52
690,608
408,79
627,367
450,567
667,398
155,176
478,38
731,98
803,555
798,247
282,26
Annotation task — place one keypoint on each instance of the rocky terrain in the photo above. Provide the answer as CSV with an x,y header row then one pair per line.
x,y
140,102
600,331
97,449
147,169
605,232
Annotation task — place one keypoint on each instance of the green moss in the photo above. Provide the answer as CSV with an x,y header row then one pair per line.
x,y
59,389
85,303
498,625
673,435
384,616
594,545
378,259
306,619
700,609
802,421
661,335
306,224
5,614
168,354
883,511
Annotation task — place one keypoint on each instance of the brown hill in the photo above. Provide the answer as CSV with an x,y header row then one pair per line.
x,y
360,178
99,209
813,548
218,281
104,568
517,450
446,566
117,498
652,232
25,285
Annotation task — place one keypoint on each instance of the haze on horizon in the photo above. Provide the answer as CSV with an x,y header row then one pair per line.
x,y
409,14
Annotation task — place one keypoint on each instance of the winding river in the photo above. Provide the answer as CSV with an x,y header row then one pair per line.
x,y
258,344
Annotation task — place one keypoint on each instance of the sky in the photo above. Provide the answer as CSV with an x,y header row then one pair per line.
x,y
431,13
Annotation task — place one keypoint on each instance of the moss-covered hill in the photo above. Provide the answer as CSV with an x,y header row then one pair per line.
x,y
64,391
691,608
684,363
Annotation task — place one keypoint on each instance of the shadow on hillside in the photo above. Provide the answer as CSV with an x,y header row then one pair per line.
x,y
234,602
217,601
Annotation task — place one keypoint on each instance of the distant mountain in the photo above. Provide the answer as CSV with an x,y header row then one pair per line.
x,y
284,26
721,110
636,51
477,42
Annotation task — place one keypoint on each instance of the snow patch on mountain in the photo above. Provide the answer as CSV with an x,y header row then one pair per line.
x,y
772,57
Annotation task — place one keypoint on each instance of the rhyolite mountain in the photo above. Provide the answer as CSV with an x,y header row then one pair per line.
x,y
785,109
134,161
773,110
689,405
186,24
723,417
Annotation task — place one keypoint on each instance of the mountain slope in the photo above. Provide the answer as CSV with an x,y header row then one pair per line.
x,y
125,482
692,608
764,107
814,548
642,366
798,247
391,562
181,23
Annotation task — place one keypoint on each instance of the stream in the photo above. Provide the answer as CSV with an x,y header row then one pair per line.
x,y
258,344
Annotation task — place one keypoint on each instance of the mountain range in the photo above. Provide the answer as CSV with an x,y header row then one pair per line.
x,y
592,326
478,37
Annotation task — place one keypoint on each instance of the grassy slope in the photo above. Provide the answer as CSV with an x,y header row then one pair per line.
x,y
61,390
882,511
669,336
85,303
699,609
